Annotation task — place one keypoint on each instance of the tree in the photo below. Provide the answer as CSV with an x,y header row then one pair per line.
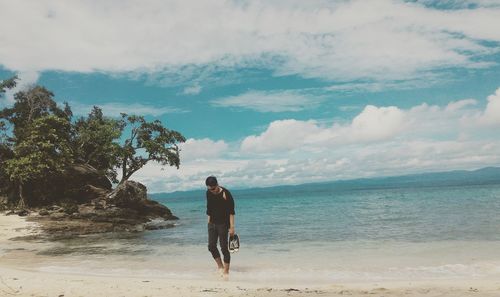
x,y
29,105
37,124
148,141
4,86
96,142
39,141
8,84
44,152
6,152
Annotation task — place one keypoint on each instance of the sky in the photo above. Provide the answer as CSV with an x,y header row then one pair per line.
x,y
275,92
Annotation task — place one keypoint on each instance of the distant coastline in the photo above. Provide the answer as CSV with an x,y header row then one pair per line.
x,y
482,176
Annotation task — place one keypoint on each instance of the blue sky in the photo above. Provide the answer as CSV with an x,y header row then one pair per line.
x,y
275,92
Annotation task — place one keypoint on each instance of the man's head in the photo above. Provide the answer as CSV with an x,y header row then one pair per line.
x,y
211,183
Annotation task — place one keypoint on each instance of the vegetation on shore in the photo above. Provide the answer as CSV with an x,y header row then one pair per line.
x,y
40,141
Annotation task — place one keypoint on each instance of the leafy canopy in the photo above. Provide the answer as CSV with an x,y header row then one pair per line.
x,y
38,140
96,142
148,141
45,151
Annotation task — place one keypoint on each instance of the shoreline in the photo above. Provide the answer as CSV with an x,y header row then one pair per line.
x,y
21,276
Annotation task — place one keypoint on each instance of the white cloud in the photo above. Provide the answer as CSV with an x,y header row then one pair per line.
x,y
194,149
271,101
113,109
456,105
346,162
337,40
377,123
372,124
191,175
192,90
491,115
281,135
379,141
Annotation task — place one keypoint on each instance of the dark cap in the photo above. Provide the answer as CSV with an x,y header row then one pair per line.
x,y
211,181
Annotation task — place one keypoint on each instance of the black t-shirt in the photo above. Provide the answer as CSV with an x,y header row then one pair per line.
x,y
219,208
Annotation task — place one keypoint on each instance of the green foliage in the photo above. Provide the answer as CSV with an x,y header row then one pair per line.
x,y
45,151
4,86
6,152
4,138
8,84
29,105
156,142
38,141
96,142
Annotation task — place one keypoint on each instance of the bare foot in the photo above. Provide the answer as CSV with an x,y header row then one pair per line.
x,y
220,271
225,276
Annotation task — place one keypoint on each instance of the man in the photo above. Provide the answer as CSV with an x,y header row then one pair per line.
x,y
220,211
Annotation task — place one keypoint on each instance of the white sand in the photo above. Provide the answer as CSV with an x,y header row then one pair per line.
x,y
14,226
19,276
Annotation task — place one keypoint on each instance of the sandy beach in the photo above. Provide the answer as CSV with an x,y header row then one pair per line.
x,y
21,276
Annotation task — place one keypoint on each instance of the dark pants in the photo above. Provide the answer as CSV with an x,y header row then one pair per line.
x,y
220,231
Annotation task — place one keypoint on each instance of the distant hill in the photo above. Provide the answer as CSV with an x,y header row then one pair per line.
x,y
488,175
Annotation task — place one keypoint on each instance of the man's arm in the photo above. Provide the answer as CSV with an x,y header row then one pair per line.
x,y
209,209
231,222
231,213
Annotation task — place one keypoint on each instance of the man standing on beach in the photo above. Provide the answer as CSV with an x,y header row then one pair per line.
x,y
220,211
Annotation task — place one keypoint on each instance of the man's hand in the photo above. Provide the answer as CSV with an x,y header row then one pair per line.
x,y
231,231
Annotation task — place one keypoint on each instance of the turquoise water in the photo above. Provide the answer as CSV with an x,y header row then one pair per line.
x,y
313,234
397,214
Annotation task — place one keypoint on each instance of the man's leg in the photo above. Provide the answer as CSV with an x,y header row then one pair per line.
x,y
212,245
223,231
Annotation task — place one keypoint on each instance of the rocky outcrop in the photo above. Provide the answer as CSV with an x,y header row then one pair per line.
x,y
83,183
129,194
133,195
126,208
78,183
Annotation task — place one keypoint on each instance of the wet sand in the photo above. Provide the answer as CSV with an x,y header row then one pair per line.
x,y
21,275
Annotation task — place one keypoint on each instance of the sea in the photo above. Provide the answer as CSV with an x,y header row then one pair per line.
x,y
311,234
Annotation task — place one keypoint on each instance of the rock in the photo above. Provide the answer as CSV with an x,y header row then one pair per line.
x,y
158,224
84,174
22,212
57,215
94,193
79,183
139,228
71,208
153,209
54,207
128,194
127,208
133,195
43,212
86,210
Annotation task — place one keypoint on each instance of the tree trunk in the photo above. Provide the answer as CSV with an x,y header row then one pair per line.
x,y
124,171
21,204
125,178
